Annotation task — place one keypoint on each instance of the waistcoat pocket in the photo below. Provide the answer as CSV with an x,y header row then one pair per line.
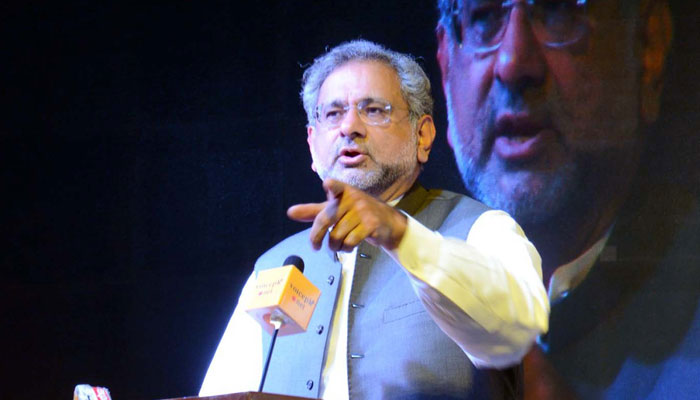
x,y
402,311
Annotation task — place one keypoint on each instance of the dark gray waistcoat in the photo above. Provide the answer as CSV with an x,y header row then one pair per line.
x,y
395,350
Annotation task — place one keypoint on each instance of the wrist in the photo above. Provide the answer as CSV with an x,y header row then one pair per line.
x,y
400,225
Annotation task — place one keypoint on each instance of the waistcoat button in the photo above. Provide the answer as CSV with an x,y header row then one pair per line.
x,y
356,356
331,279
309,384
319,329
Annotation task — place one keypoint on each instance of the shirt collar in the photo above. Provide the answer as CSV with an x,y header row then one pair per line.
x,y
394,202
569,275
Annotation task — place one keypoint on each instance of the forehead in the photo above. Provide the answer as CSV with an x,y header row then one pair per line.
x,y
357,80
606,8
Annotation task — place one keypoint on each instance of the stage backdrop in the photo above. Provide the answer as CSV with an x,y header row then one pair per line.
x,y
150,153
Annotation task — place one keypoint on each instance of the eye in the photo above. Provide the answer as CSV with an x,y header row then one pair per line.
x,y
333,114
484,13
374,110
484,21
559,17
556,6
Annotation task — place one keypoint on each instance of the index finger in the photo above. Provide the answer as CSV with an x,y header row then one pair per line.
x,y
305,212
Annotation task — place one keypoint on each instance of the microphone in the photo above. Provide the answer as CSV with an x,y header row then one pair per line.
x,y
282,302
295,261
283,296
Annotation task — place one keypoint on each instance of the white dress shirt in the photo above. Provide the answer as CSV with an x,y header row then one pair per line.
x,y
485,293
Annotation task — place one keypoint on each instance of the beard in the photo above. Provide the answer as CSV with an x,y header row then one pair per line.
x,y
372,176
530,195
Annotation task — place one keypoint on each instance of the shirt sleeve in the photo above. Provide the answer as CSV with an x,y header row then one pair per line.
x,y
237,363
485,293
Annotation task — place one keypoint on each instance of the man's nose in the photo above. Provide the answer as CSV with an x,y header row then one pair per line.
x,y
352,124
520,59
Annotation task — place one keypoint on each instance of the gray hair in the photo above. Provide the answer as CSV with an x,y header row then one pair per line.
x,y
447,8
415,85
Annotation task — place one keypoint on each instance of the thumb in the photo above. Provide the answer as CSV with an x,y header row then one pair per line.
x,y
334,189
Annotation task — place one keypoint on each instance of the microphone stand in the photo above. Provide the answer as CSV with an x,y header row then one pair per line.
x,y
276,321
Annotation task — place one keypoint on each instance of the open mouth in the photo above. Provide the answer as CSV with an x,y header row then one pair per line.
x,y
350,153
351,157
520,137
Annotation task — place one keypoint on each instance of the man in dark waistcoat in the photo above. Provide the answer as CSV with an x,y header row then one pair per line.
x,y
549,107
418,287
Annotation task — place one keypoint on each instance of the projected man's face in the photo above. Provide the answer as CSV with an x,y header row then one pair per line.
x,y
538,130
369,157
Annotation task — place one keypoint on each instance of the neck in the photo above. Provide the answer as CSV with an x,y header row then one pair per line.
x,y
588,213
568,234
399,187
565,237
563,245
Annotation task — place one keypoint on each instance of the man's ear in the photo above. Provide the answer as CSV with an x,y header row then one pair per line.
x,y
443,39
657,32
309,139
443,57
425,129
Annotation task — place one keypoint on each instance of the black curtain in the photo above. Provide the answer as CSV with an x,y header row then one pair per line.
x,y
150,151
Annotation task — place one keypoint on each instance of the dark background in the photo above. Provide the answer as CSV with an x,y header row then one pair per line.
x,y
150,152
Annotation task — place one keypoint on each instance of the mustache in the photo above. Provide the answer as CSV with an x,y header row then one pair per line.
x,y
509,113
344,145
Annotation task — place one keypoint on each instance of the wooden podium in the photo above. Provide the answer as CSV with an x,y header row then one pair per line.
x,y
243,396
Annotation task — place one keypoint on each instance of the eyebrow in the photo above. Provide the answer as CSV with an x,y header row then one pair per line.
x,y
368,100
337,103
364,100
